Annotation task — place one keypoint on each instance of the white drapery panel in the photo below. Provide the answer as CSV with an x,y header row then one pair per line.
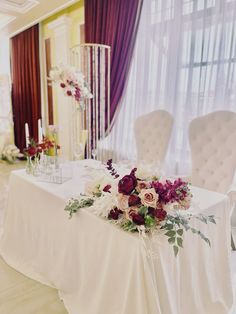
x,y
184,62
5,112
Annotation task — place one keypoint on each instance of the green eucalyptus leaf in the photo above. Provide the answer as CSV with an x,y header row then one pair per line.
x,y
170,233
180,232
180,242
149,221
143,210
176,250
171,240
169,226
212,219
75,204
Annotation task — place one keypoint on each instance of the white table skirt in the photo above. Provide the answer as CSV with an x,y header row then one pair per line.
x,y
100,269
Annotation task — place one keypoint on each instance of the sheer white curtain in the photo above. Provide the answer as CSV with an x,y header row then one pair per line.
x,y
184,62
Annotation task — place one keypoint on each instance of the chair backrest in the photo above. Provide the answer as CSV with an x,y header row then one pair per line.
x,y
152,134
213,149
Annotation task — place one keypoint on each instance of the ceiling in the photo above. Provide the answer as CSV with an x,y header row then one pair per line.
x,y
21,6
17,15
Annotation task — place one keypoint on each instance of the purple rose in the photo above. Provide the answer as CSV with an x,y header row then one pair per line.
x,y
128,183
115,213
134,200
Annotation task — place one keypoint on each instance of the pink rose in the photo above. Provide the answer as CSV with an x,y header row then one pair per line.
x,y
142,185
149,197
123,201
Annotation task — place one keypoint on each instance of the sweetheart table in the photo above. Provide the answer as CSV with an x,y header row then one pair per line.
x,y
100,269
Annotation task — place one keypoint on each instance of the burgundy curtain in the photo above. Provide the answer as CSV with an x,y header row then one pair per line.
x,y
26,99
114,23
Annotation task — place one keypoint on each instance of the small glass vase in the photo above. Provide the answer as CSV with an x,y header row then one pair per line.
x,y
29,165
36,167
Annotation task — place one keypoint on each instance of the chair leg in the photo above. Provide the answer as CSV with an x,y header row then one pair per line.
x,y
232,243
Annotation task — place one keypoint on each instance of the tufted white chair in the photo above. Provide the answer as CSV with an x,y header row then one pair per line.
x,y
213,148
152,134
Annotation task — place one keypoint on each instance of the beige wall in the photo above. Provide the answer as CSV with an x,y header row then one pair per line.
x,y
76,15
63,30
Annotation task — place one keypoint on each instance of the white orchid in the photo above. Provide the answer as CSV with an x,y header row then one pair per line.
x,y
72,82
55,74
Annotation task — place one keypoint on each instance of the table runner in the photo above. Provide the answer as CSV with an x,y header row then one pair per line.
x,y
100,269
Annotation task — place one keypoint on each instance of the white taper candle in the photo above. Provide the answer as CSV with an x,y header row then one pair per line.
x,y
40,131
26,134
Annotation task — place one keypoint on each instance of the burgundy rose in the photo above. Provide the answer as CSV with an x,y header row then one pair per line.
x,y
115,213
151,211
69,93
160,214
31,150
63,85
107,188
43,146
128,183
137,218
134,200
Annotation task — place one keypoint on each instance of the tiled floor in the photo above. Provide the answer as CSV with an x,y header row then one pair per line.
x,y
21,295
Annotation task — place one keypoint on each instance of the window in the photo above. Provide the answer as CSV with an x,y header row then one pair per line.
x,y
184,62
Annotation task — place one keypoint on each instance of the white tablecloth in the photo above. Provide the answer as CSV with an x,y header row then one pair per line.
x,y
100,269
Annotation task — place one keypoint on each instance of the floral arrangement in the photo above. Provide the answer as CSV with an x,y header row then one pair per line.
x,y
34,149
37,155
72,82
142,205
10,153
